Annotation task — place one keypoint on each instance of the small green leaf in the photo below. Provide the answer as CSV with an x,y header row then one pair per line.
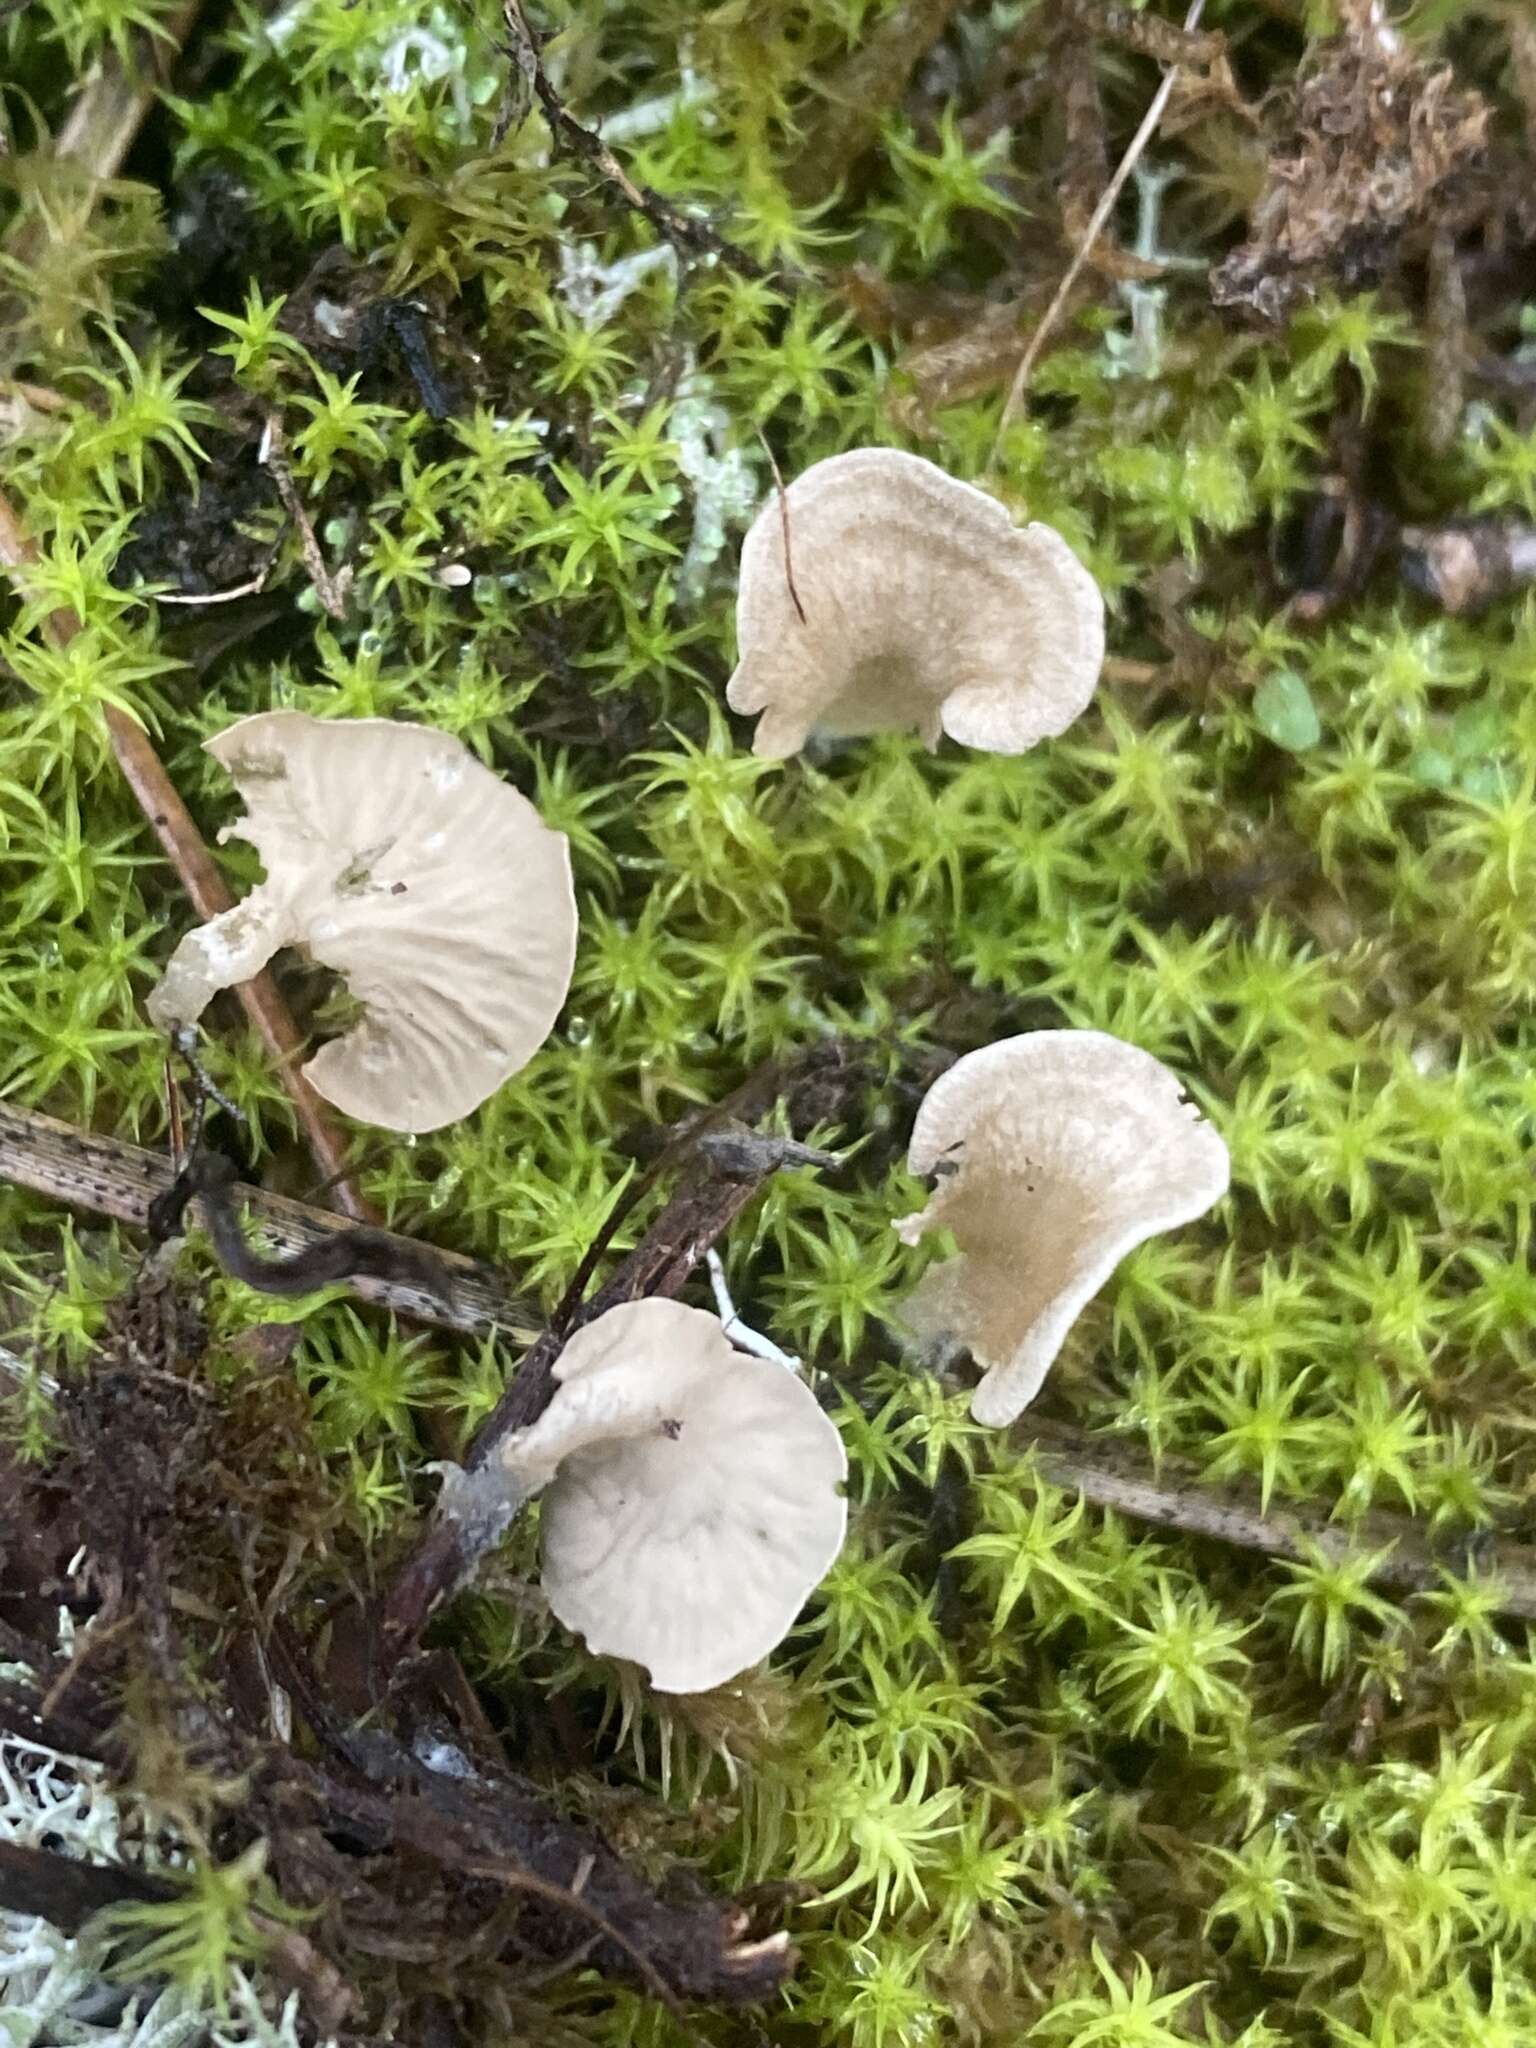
x,y
1283,707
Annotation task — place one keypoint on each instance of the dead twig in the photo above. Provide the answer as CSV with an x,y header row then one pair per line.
x,y
1149,35
1396,1550
504,1831
1344,535
1144,674
39,396
185,848
66,1892
103,124
112,1178
1095,228
686,232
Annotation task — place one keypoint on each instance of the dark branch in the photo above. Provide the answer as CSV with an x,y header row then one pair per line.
x,y
66,1893
686,232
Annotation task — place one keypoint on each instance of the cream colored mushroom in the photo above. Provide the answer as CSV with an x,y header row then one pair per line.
x,y
1055,1154
909,599
692,1494
431,886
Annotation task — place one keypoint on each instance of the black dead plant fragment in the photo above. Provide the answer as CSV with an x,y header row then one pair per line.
x,y
402,325
66,1893
1340,538
1368,151
356,1253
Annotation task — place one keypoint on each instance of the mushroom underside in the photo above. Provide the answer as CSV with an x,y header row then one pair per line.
x,y
1041,1231
726,1568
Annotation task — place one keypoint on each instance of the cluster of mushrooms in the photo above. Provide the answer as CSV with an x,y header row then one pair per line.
x,y
691,1487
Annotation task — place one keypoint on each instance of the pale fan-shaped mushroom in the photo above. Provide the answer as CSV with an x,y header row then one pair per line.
x,y
432,887
907,598
1055,1154
692,1498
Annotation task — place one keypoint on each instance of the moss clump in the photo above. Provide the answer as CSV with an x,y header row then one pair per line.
x,y
1049,1776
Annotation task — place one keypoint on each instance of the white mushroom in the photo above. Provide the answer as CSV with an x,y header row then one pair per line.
x,y
692,1498
1055,1154
431,886
907,598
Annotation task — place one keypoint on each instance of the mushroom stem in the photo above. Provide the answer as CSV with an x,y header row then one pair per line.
x,y
225,951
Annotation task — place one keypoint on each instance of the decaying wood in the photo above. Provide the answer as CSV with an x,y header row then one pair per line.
x,y
414,1849
112,1178
184,846
503,1829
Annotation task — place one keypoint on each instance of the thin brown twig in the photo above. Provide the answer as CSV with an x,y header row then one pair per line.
x,y
39,396
103,124
571,1901
1145,674
1095,228
185,848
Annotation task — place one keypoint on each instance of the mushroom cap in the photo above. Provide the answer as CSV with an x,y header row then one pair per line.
x,y
1056,1152
429,884
694,1501
923,605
